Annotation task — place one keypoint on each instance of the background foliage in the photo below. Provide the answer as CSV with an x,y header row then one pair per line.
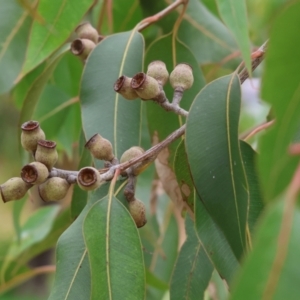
x,y
221,208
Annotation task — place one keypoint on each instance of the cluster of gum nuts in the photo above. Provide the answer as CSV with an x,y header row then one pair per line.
x,y
52,188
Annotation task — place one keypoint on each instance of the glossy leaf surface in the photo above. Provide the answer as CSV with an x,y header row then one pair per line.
x,y
280,87
72,278
215,158
117,268
193,268
59,19
234,14
103,110
276,248
14,31
206,36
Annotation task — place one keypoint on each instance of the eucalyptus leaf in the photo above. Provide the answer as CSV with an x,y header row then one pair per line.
x,y
103,110
280,88
58,20
215,158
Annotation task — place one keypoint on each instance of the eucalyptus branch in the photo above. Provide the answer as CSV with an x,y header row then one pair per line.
x,y
150,155
150,20
257,58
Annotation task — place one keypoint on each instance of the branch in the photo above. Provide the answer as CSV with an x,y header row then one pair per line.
x,y
257,58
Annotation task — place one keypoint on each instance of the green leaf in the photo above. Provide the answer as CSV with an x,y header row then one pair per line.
x,y
59,20
72,278
103,110
155,282
276,249
193,268
280,87
17,210
183,176
206,36
35,90
256,202
36,228
117,272
234,14
215,243
210,235
215,158
14,31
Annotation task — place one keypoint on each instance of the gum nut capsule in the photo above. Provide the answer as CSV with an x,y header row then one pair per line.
x,y
82,48
87,31
182,77
35,173
138,212
31,134
123,87
54,189
157,69
100,147
131,153
88,178
13,189
145,86
46,153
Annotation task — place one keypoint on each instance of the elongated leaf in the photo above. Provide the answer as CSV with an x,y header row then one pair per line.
x,y
234,14
255,194
193,268
209,40
72,278
276,249
14,31
33,231
210,235
59,20
117,272
215,243
215,159
103,110
37,87
282,91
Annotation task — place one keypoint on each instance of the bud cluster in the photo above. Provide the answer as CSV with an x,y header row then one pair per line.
x,y
54,186
87,39
149,86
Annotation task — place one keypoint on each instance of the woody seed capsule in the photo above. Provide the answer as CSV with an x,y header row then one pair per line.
x,y
123,87
54,189
87,31
46,153
157,69
145,86
13,189
34,173
100,147
31,134
138,212
82,48
182,77
88,179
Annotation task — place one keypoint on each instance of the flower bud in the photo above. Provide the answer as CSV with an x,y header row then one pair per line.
x,y
123,87
31,134
82,47
34,173
87,31
157,69
138,212
88,178
54,189
13,189
46,153
131,153
100,147
182,77
145,86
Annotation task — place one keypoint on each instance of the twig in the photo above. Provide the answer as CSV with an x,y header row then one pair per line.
x,y
150,20
247,135
257,58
